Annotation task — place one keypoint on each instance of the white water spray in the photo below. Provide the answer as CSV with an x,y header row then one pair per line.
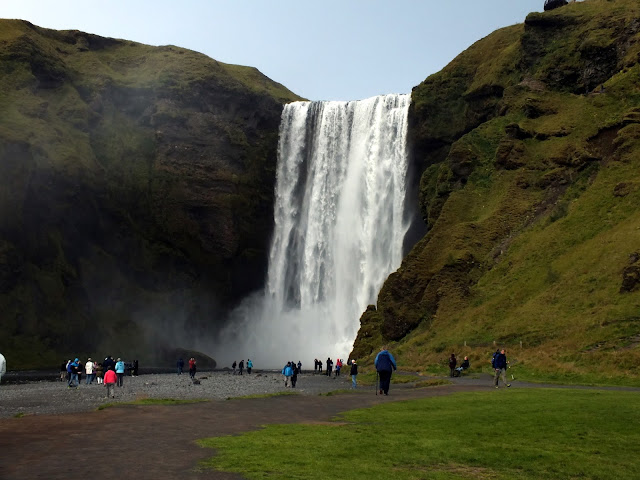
x,y
339,228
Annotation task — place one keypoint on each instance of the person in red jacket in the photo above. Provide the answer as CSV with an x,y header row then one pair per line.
x,y
110,382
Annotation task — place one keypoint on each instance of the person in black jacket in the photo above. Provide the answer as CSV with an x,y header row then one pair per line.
x,y
354,374
500,365
452,364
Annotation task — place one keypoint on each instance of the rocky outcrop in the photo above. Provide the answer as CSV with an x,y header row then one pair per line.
x,y
136,191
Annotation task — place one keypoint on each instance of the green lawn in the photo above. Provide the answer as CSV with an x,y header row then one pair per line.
x,y
505,434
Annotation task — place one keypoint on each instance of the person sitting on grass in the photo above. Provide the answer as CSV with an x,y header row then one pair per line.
x,y
463,366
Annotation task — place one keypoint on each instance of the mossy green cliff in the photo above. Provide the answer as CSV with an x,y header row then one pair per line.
x,y
136,192
530,146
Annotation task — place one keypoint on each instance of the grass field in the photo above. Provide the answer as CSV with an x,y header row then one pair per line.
x,y
506,434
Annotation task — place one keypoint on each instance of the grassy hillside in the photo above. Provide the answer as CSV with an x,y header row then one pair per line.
x,y
530,146
136,192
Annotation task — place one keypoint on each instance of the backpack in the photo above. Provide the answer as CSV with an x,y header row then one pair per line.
x,y
493,359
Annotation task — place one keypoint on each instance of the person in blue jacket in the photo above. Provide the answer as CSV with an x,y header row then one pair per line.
x,y
120,372
385,364
287,371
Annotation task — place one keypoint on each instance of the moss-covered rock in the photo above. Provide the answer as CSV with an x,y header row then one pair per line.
x,y
529,148
136,192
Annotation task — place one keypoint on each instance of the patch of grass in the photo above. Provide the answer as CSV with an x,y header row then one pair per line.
x,y
265,395
20,415
152,401
433,382
340,391
535,434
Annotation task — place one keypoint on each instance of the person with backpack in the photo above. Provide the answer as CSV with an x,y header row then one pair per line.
x,y
241,366
249,366
500,366
73,368
385,364
287,371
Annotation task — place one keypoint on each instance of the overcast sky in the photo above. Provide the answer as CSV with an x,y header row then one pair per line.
x,y
319,49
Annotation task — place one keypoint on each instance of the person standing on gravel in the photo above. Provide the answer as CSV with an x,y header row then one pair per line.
x,y
99,373
500,365
287,371
385,364
180,365
120,372
241,366
294,375
329,366
299,367
319,366
192,368
354,374
249,366
73,371
89,370
109,382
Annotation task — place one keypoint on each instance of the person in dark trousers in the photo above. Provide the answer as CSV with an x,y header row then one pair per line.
x,y
452,364
241,366
134,372
319,366
500,365
329,367
354,374
192,368
385,364
299,367
249,366
294,377
315,365
180,365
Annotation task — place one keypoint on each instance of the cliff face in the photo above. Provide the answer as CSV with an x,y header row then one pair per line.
x,y
136,192
529,143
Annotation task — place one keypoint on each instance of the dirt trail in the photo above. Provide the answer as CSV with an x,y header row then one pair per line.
x,y
157,442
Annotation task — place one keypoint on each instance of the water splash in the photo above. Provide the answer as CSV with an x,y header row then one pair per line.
x,y
339,227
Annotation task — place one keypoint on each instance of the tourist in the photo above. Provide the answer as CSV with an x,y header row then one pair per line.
x,y
3,366
63,370
249,366
294,375
299,367
319,366
99,373
329,366
385,364
241,366
180,365
73,374
134,372
287,371
500,366
315,365
120,371
338,367
88,369
109,382
452,364
192,368
354,374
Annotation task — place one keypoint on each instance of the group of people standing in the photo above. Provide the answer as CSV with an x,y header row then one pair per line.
x,y
240,367
109,372
317,366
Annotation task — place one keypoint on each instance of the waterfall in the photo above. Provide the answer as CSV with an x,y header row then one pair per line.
x,y
339,228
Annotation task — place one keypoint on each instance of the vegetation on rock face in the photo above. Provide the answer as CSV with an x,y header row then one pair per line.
x,y
529,142
136,192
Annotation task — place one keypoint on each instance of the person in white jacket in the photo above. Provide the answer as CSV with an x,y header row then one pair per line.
x,y
3,366
89,369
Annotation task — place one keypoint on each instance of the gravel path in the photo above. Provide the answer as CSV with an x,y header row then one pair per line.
x,y
51,397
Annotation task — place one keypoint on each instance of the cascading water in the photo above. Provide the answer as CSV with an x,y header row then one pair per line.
x,y
339,227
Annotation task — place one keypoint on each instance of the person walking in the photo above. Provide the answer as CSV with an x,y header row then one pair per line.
x,y
287,371
319,366
500,364
120,372
180,365
241,366
73,374
385,364
109,382
354,374
89,370
249,366
452,364
294,375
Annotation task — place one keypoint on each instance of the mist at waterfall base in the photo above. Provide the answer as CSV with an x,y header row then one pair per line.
x,y
340,221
